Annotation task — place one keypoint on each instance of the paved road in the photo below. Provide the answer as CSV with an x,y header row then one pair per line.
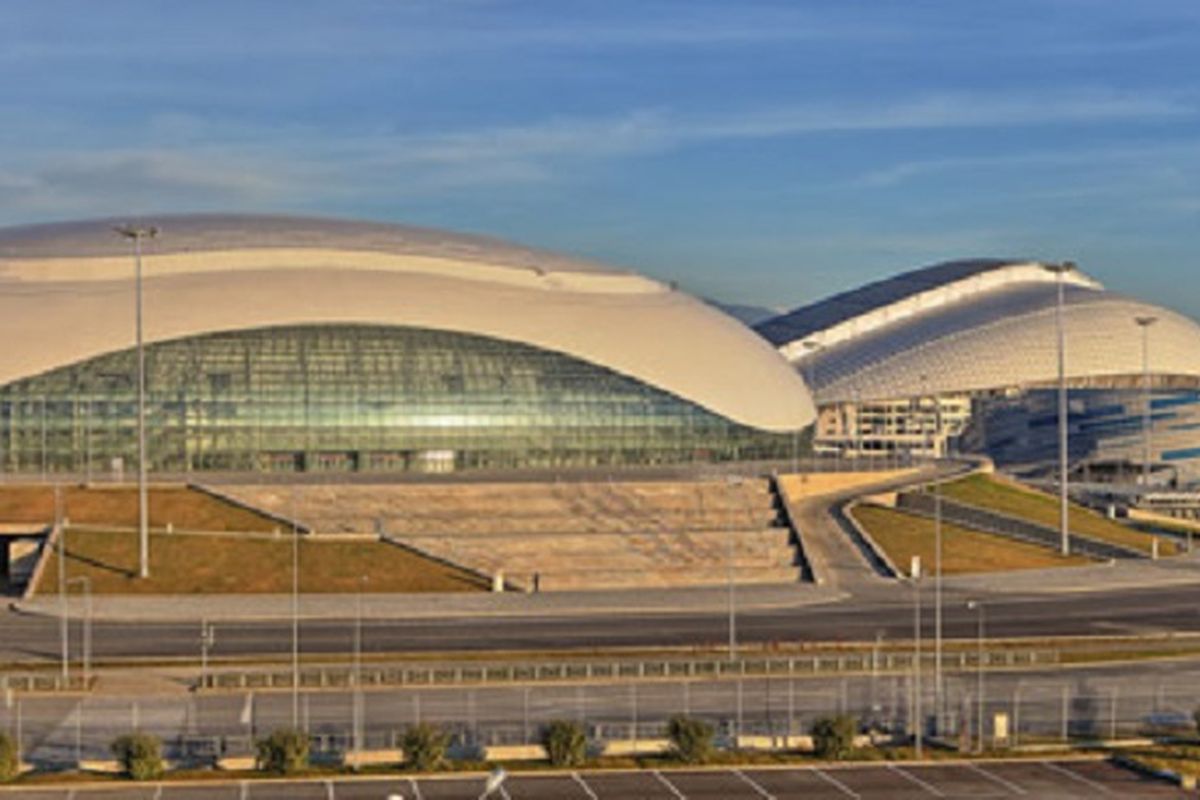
x,y
1044,780
1171,608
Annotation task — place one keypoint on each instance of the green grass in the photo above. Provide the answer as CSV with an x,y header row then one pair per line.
x,y
1008,497
184,508
903,535
199,564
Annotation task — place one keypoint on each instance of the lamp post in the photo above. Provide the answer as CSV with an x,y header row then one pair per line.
x,y
208,637
1060,271
86,650
811,347
733,482
358,697
137,234
64,624
1144,323
915,572
977,607
295,617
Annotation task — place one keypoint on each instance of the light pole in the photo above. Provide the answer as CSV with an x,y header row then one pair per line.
x,y
1060,271
86,649
208,637
977,607
295,617
733,483
137,234
915,571
811,348
358,697
1144,323
64,624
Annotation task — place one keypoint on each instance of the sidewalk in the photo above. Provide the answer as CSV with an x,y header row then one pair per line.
x,y
1124,574
243,607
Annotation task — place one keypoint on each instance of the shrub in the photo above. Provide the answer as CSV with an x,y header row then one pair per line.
x,y
10,765
285,751
1196,719
833,737
565,743
425,746
140,756
691,739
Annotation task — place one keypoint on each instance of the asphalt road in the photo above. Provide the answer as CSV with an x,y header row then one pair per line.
x,y
1028,779
890,613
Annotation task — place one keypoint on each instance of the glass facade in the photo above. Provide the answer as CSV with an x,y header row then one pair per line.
x,y
353,398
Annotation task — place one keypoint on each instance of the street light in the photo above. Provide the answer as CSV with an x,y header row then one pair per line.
x,y
1060,271
733,482
1144,323
208,638
137,234
811,348
915,572
86,654
358,697
977,607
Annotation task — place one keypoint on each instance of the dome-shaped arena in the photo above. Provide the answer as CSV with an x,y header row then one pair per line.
x,y
968,350
295,344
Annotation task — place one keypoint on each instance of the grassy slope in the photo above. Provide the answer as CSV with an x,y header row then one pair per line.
x,y
187,564
987,491
184,508
903,535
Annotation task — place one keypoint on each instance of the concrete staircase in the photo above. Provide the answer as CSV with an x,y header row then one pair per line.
x,y
586,535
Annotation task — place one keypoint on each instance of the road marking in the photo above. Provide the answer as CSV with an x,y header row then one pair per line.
x,y
158,792
1063,771
754,785
1007,784
416,789
835,782
583,785
503,792
669,785
329,795
926,785
244,790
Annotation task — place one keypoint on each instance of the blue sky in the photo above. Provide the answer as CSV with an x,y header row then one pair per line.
x,y
759,152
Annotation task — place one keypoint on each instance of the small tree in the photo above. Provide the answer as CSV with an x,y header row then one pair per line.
x,y
691,739
10,764
425,746
565,743
833,737
285,751
140,756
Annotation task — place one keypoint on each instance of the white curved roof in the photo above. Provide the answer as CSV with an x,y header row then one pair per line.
x,y
1004,337
67,294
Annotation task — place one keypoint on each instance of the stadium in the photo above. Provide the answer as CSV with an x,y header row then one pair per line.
x,y
964,355
278,344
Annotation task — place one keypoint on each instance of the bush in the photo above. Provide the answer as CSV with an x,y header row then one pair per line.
x,y
425,746
691,739
833,737
1196,719
140,756
285,751
10,765
565,743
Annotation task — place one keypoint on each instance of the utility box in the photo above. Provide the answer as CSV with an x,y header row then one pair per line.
x,y
1000,733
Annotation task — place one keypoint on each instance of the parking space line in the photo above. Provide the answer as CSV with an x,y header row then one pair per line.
x,y
754,785
926,785
583,785
1063,771
838,784
416,789
662,779
1007,784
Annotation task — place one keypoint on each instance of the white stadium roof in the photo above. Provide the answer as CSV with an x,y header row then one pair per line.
x,y
66,295
975,326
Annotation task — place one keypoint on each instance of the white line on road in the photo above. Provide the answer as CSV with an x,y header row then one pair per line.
x,y
329,794
416,789
1063,771
754,785
835,782
244,790
583,785
503,792
669,785
926,785
1007,784
158,792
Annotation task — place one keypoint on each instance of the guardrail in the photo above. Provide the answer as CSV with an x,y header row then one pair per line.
x,y
343,676
42,682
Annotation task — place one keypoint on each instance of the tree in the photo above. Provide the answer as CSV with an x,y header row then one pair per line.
x,y
140,756
833,737
425,746
565,743
691,739
10,764
285,751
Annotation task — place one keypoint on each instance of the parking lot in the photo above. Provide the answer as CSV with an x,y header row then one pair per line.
x,y
995,779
